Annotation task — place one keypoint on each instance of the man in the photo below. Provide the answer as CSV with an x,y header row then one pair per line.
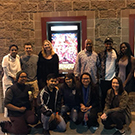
x,y
29,65
49,102
87,61
18,105
107,67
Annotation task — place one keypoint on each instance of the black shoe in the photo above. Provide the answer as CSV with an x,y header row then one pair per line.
x,y
2,124
46,132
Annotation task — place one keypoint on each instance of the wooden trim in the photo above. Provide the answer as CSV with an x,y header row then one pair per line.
x,y
83,19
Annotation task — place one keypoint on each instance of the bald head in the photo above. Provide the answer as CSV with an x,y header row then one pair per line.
x,y
88,45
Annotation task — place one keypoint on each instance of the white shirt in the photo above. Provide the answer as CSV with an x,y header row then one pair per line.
x,y
110,65
10,66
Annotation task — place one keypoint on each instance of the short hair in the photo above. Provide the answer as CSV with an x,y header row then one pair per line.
x,y
28,43
12,46
51,76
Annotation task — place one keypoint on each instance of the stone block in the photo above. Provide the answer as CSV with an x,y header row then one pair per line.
x,y
38,34
29,8
125,38
46,7
125,22
63,6
10,8
101,5
27,25
20,16
71,13
21,34
32,34
91,23
14,41
90,14
130,4
64,13
90,32
5,17
107,31
80,13
125,13
108,14
31,16
116,4
2,25
11,26
54,14
37,17
5,34
80,6
37,25
125,31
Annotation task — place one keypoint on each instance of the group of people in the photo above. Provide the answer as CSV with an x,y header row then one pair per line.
x,y
32,91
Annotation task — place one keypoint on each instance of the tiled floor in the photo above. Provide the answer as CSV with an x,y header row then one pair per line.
x,y
72,129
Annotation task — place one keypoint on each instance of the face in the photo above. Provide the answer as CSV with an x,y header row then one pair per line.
x,y
123,48
88,45
108,46
115,84
85,80
13,51
68,81
47,46
22,78
51,83
28,49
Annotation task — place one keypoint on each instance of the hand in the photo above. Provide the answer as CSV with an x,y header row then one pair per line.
x,y
103,116
83,108
22,109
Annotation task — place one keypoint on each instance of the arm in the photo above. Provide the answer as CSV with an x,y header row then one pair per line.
x,y
41,103
9,105
122,104
131,73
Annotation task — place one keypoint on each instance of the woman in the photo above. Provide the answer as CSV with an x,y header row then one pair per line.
x,y
69,91
125,67
116,111
11,65
48,62
89,102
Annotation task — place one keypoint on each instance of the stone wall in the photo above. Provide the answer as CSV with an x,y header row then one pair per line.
x,y
20,21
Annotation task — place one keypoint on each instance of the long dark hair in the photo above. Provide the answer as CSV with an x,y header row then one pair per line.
x,y
70,76
128,52
121,89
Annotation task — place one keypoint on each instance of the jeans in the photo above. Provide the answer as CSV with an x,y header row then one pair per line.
x,y
45,120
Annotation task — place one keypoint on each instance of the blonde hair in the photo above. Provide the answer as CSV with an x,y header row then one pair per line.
x,y
43,50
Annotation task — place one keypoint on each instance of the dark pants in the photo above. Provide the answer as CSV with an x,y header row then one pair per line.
x,y
104,86
92,117
116,119
19,125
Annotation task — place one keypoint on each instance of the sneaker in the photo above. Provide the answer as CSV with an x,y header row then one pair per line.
x,y
46,132
2,124
95,128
